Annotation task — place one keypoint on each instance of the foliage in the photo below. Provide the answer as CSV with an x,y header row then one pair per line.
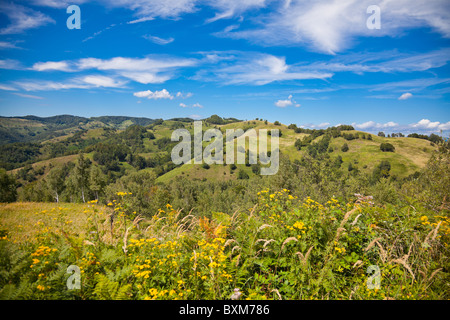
x,y
282,247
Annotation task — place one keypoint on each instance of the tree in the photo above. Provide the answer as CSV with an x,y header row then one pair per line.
x,y
277,123
97,180
387,147
8,191
56,182
81,175
344,148
381,134
381,171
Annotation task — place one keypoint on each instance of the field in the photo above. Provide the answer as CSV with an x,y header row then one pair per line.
x,y
281,248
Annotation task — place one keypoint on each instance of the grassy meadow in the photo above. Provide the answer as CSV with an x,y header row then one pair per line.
x,y
281,248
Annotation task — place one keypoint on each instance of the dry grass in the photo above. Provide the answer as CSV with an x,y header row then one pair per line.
x,y
25,220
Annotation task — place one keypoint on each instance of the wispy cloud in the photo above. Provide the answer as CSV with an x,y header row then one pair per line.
x,y
28,96
7,87
102,81
330,26
195,105
142,70
8,45
143,19
51,66
56,3
22,18
148,9
10,64
99,32
158,40
86,82
256,69
230,8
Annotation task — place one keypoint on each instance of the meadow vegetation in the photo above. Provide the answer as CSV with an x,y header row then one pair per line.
x,y
139,227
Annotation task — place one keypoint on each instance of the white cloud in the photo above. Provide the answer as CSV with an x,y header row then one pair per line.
x,y
156,69
158,40
7,87
8,45
86,82
283,103
322,125
22,18
374,125
286,103
28,96
156,64
195,105
10,64
57,3
426,124
51,65
145,77
195,116
423,126
330,26
386,61
410,85
405,96
148,9
230,8
51,85
184,95
163,94
102,81
143,19
257,69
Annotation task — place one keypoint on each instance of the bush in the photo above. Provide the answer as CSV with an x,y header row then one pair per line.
x,y
344,148
387,147
242,175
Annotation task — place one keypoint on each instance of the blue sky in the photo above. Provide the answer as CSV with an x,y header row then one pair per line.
x,y
312,63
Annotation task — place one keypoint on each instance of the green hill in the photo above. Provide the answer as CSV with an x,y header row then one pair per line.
x,y
125,151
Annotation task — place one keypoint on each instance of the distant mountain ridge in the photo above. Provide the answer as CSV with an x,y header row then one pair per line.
x,y
33,128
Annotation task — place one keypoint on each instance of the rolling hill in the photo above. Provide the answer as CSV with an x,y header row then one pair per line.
x,y
57,141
